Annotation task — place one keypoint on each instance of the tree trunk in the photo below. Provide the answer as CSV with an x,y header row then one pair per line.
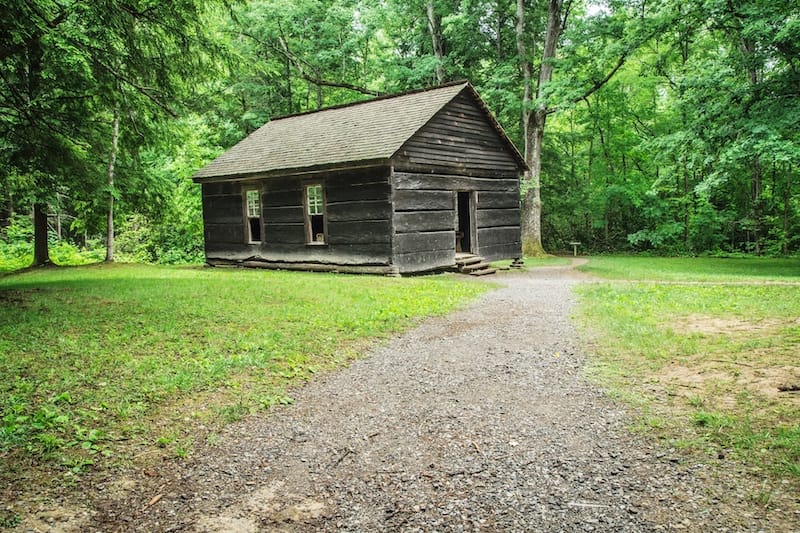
x,y
435,29
532,200
41,252
787,206
526,68
534,121
758,214
6,212
111,162
499,7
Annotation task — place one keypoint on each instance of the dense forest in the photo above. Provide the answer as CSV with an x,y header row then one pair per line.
x,y
668,127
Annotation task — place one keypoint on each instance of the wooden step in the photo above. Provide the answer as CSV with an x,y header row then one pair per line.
x,y
483,272
475,266
468,260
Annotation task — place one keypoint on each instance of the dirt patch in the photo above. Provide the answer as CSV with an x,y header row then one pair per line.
x,y
721,383
713,374
712,325
16,297
271,505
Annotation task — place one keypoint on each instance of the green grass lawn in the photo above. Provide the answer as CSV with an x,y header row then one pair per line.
x,y
704,361
694,268
97,359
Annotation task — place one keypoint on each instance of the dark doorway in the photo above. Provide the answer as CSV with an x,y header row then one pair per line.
x,y
464,230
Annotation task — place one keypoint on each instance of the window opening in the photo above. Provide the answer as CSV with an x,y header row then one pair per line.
x,y
253,208
315,213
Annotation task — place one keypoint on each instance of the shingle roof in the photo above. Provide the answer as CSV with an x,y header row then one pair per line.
x,y
364,131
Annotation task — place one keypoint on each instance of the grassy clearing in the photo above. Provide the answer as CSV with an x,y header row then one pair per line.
x,y
97,360
694,269
705,361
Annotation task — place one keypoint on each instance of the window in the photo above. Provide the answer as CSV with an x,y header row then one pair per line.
x,y
253,215
315,214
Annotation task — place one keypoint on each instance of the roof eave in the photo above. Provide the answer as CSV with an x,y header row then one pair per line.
x,y
297,171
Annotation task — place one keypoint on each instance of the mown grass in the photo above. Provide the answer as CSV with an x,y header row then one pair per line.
x,y
694,268
97,360
704,361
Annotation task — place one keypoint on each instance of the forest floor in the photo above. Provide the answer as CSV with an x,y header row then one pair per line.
x,y
479,420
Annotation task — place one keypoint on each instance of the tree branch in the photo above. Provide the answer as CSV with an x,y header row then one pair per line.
x,y
297,63
8,51
144,91
599,84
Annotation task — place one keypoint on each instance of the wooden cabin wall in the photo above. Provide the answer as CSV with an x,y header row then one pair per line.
x,y
357,211
458,140
425,218
424,223
498,223
223,221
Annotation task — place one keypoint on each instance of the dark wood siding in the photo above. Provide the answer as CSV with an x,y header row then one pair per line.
x,y
357,210
425,218
223,217
459,139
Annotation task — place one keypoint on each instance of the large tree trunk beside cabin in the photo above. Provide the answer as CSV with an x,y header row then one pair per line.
x,y
111,163
534,122
41,252
437,40
531,224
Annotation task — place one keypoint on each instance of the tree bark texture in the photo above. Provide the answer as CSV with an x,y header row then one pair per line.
x,y
534,118
112,160
437,40
41,252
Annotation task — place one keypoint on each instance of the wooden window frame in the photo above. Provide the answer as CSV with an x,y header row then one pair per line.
x,y
320,204
247,218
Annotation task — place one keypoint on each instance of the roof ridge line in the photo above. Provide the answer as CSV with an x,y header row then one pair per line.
x,y
376,99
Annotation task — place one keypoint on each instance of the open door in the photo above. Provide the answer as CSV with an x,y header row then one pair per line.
x,y
465,233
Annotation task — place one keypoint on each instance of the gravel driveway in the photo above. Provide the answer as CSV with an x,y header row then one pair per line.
x,y
480,420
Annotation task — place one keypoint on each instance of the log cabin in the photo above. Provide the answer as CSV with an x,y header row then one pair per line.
x,y
394,185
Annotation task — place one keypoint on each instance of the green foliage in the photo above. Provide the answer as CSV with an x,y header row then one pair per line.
x,y
690,147
16,249
9,519
91,357
66,69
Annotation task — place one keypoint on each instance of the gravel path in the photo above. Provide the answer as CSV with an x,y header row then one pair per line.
x,y
480,420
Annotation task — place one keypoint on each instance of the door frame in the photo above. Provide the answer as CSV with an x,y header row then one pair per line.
x,y
471,198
